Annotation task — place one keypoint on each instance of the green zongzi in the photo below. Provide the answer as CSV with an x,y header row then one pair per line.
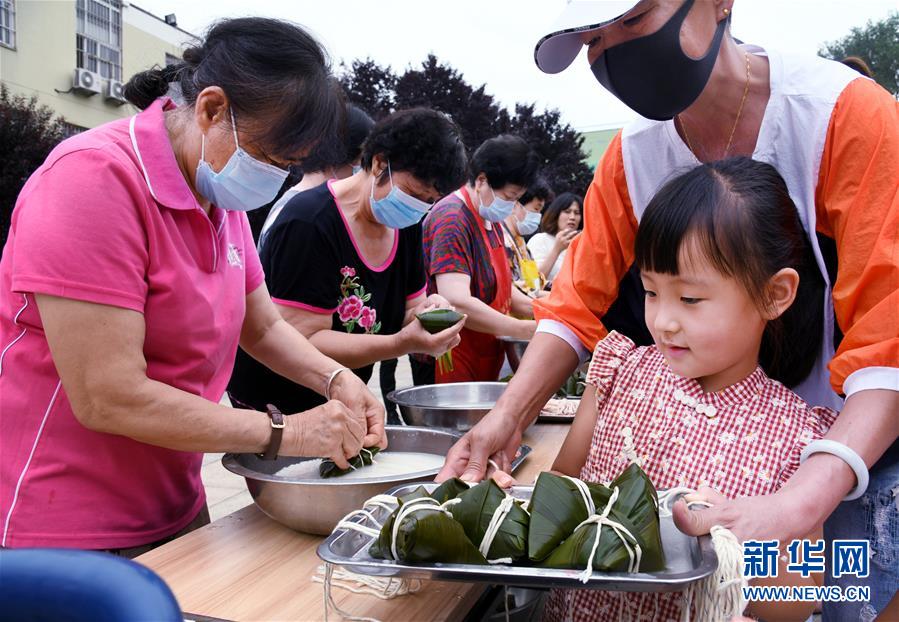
x,y
494,521
329,469
422,530
558,505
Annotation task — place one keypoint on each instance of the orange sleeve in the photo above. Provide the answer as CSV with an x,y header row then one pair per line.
x,y
598,258
857,205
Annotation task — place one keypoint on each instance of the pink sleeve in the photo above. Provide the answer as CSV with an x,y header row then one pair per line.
x,y
255,274
80,232
817,423
608,357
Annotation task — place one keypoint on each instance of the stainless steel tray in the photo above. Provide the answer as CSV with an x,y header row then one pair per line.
x,y
687,559
551,418
541,418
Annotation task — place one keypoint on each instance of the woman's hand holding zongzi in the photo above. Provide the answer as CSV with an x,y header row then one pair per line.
x,y
415,338
434,301
367,410
327,431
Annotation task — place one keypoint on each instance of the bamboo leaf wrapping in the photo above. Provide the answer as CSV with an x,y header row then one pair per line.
x,y
475,511
557,507
329,469
427,535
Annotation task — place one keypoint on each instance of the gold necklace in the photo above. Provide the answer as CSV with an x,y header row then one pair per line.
x,y
736,121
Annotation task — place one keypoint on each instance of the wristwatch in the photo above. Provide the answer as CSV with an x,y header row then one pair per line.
x,y
274,444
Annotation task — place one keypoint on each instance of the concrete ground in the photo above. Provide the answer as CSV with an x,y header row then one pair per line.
x,y
226,492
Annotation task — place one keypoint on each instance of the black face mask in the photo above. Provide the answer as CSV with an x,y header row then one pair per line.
x,y
652,75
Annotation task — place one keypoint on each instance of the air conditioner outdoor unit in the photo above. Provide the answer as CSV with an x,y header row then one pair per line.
x,y
85,82
115,92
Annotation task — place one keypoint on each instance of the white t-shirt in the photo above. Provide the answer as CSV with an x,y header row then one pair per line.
x,y
541,245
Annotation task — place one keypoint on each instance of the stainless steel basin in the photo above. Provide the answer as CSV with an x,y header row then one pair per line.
x,y
454,406
316,505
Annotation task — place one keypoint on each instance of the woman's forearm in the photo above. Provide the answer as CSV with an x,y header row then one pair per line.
x,y
522,304
158,414
355,350
547,362
285,351
98,352
483,318
869,424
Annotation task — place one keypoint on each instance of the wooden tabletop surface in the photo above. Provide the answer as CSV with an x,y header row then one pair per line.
x,y
246,566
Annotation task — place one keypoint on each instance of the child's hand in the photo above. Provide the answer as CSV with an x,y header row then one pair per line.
x,y
705,495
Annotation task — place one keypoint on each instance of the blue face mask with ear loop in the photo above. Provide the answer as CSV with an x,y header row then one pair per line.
x,y
243,184
397,210
498,210
530,223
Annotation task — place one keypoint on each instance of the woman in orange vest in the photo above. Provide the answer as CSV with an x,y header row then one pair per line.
x,y
833,135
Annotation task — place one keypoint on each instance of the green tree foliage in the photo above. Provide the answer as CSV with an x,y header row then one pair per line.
x,y
28,132
877,44
439,86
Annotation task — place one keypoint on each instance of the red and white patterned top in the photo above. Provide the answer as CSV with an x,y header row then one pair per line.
x,y
748,443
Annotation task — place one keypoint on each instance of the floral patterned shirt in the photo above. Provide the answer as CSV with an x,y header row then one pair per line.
x,y
313,263
744,440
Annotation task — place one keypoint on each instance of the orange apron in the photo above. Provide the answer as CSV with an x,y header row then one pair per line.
x,y
479,357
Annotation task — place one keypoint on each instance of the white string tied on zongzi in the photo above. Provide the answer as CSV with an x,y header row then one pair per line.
x,y
352,525
424,504
719,596
499,515
585,494
634,552
385,502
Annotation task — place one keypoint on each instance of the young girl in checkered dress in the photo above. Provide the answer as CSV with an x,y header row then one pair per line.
x,y
733,301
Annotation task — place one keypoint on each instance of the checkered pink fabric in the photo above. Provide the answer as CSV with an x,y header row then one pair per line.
x,y
749,444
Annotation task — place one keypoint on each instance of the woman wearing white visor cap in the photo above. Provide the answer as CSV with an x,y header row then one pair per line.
x,y
834,137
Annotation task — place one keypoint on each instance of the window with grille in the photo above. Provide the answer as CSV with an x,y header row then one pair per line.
x,y
98,42
8,23
70,129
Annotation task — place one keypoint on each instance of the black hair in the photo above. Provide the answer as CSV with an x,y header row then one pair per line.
x,y
423,142
539,189
859,64
740,214
273,73
549,223
505,159
358,125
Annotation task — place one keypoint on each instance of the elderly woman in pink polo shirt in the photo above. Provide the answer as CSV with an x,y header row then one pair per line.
x,y
129,278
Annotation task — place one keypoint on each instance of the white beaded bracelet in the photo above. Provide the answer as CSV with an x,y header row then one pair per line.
x,y
847,455
331,379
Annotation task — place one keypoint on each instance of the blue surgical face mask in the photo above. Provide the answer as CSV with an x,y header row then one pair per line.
x,y
356,168
498,210
397,210
530,223
243,184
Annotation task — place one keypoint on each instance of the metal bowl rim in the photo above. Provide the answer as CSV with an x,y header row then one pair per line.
x,y
392,396
231,462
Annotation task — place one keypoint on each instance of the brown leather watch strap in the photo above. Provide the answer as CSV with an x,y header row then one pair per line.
x,y
274,444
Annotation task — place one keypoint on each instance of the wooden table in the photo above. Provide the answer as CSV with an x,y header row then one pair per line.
x,y
246,566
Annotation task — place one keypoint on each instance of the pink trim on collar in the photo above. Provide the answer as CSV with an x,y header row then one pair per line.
x,y
396,237
303,306
417,294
